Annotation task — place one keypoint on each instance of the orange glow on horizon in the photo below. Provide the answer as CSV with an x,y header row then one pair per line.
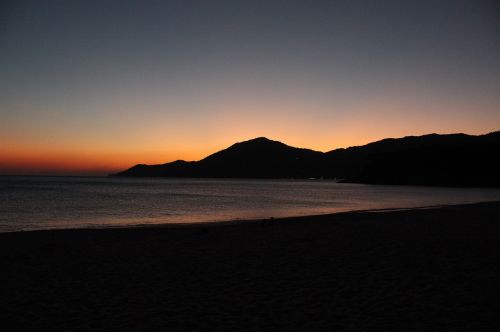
x,y
79,162
87,161
83,145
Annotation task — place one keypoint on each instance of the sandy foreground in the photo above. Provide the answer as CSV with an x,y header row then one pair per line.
x,y
414,270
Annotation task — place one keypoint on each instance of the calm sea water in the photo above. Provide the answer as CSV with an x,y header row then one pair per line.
x,y
29,203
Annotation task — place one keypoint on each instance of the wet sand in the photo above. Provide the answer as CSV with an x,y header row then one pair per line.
x,y
432,269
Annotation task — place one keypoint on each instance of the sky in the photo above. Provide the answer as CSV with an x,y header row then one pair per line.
x,y
92,87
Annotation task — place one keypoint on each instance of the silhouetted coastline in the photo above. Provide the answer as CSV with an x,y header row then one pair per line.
x,y
443,160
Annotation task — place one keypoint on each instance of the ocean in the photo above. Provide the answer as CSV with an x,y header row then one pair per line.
x,y
37,203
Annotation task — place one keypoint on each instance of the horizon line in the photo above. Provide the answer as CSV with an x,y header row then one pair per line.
x,y
108,171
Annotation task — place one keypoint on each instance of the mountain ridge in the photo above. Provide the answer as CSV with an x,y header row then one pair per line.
x,y
432,159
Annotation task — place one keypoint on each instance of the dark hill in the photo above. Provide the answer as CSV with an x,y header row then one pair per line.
x,y
178,168
262,158
450,160
256,158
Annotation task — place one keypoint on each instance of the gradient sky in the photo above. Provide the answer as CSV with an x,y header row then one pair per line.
x,y
91,87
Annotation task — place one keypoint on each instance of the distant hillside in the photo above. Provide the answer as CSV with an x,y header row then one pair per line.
x,y
450,160
262,158
256,158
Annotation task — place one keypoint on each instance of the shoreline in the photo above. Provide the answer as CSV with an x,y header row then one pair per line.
x,y
235,222
406,270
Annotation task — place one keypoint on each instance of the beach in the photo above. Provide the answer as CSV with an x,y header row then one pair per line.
x,y
406,270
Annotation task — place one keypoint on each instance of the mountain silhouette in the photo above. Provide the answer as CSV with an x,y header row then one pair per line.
x,y
262,158
448,160
256,158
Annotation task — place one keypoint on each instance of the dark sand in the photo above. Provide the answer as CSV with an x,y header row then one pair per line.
x,y
414,270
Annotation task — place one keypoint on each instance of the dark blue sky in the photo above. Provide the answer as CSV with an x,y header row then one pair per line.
x,y
356,38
